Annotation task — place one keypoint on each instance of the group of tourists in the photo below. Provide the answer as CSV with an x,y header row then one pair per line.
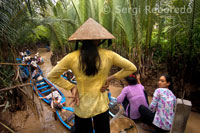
x,y
91,66
26,57
37,75
33,61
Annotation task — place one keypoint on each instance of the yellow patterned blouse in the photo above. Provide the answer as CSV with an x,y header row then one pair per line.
x,y
92,100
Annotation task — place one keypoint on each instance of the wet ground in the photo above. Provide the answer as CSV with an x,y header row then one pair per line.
x,y
47,123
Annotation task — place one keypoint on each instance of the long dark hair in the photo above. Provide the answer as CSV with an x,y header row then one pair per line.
x,y
89,58
169,79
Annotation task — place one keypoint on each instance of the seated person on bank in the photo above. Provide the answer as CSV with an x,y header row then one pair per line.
x,y
160,113
132,96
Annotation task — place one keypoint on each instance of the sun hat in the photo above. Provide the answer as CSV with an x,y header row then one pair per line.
x,y
91,30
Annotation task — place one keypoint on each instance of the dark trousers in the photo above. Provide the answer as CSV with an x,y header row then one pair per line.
x,y
100,124
147,117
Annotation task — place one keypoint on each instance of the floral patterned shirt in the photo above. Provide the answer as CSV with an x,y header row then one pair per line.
x,y
163,104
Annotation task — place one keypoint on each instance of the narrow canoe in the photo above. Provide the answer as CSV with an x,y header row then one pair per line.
x,y
44,89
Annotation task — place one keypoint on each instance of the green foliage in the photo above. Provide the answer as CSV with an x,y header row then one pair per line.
x,y
196,37
6,73
42,33
163,33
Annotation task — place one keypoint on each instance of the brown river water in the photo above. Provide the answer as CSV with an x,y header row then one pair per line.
x,y
47,123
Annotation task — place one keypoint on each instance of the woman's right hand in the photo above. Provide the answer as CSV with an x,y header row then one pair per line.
x,y
75,96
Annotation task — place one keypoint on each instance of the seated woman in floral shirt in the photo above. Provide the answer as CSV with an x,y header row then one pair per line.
x,y
160,113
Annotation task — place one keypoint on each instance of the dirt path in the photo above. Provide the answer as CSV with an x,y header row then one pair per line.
x,y
50,125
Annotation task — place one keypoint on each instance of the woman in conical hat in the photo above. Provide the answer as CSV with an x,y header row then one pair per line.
x,y
91,66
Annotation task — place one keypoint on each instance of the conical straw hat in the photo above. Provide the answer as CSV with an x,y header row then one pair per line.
x,y
91,30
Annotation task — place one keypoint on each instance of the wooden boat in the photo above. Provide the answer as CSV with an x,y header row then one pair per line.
x,y
67,117
43,87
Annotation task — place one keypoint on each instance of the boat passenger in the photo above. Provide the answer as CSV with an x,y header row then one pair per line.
x,y
36,74
33,64
55,99
28,52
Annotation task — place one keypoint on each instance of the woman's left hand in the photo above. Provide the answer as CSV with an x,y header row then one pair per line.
x,y
105,87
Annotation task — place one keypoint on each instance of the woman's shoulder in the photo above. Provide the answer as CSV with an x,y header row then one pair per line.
x,y
164,91
72,54
128,87
140,85
103,50
133,87
106,51
159,90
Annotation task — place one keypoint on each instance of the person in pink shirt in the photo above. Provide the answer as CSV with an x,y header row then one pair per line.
x,y
132,96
